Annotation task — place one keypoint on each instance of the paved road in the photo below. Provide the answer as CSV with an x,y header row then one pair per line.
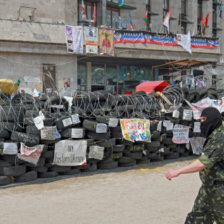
x,y
125,196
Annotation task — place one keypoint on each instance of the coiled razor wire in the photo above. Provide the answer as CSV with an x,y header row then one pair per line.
x,y
87,105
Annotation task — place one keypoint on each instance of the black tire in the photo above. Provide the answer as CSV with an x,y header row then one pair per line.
x,y
64,122
117,155
155,136
4,180
32,129
27,139
125,159
29,176
89,125
118,148
133,163
98,136
72,171
106,143
60,169
48,174
173,155
4,134
106,166
14,170
134,155
56,100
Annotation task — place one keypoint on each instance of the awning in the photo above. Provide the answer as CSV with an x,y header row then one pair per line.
x,y
150,86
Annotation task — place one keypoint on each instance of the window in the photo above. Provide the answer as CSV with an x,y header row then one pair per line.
x,y
98,77
82,77
214,20
183,16
200,17
113,17
89,11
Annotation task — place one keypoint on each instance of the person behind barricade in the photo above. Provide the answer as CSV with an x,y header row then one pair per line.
x,y
209,203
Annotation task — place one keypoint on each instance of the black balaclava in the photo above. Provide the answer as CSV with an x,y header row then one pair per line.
x,y
213,121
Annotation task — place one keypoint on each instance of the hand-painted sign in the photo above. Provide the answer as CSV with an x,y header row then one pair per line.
x,y
70,153
136,129
180,134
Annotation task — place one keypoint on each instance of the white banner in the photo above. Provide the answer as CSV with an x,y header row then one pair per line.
x,y
30,154
197,127
70,153
74,39
184,40
91,40
113,122
168,125
180,134
101,128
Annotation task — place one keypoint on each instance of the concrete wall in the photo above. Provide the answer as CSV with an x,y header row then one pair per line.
x,y
42,11
18,66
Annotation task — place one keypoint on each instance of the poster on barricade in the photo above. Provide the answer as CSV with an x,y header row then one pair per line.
x,y
30,154
106,41
218,104
70,153
74,39
96,152
91,39
136,129
180,134
168,125
197,144
199,106
9,148
187,115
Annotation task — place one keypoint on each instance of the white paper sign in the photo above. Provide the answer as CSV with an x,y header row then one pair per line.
x,y
187,115
70,153
180,134
77,133
101,128
113,122
75,119
10,148
184,40
67,122
30,154
39,123
168,125
159,126
50,133
197,127
197,144
96,152
176,114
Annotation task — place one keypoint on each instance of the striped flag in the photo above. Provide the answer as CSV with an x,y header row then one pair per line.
x,y
220,10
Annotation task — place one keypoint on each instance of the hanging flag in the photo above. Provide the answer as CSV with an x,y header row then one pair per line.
x,y
206,20
220,10
146,19
206,23
83,10
121,2
94,13
166,21
131,23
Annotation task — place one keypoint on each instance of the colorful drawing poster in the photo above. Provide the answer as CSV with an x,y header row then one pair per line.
x,y
136,129
91,40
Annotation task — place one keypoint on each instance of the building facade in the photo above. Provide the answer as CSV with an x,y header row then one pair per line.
x,y
33,43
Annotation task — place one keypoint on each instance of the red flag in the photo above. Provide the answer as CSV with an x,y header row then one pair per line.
x,y
94,13
206,20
